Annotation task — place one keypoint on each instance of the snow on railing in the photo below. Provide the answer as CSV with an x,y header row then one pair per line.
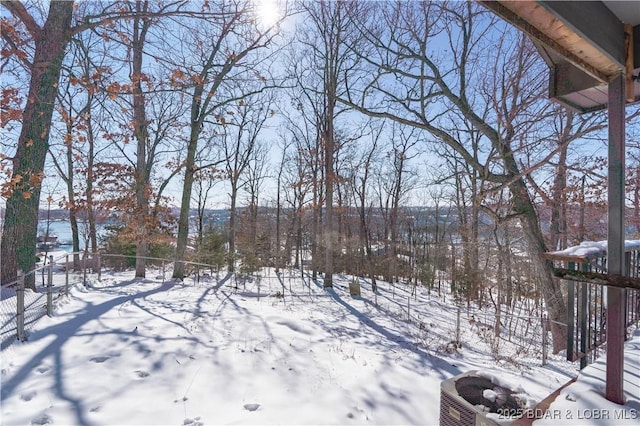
x,y
588,250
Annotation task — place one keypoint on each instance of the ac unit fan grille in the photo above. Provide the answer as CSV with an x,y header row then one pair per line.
x,y
453,413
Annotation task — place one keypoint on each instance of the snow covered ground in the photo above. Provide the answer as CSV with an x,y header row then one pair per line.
x,y
140,351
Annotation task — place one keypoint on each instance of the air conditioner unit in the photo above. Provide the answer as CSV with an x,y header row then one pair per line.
x,y
462,401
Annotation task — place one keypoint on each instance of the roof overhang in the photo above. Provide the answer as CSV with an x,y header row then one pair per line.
x,y
585,44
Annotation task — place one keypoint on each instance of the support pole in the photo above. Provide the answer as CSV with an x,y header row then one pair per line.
x,y
614,390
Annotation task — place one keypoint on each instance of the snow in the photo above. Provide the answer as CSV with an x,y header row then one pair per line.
x,y
582,402
595,248
142,351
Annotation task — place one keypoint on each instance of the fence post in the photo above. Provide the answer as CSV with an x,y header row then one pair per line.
x,y
458,326
584,330
66,275
544,339
163,272
571,303
50,287
98,265
84,268
20,307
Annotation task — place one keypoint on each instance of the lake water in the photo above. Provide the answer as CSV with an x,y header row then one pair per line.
x,y
63,230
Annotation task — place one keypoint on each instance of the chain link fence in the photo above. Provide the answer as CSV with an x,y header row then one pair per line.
x,y
509,335
21,308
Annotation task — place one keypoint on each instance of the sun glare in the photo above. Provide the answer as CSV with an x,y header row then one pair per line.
x,y
267,12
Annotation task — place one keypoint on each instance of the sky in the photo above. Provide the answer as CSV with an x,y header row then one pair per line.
x,y
147,351
220,198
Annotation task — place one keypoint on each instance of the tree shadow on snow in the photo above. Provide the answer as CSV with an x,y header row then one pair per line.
x,y
444,369
63,332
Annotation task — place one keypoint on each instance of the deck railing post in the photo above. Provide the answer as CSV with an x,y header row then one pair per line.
x,y
584,330
571,303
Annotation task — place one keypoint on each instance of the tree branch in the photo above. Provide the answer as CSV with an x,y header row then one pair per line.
x,y
18,10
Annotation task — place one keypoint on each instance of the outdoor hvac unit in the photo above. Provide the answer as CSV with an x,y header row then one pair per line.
x,y
459,396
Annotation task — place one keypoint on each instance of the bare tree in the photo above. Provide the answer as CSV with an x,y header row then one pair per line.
x,y
568,127
219,51
279,189
302,123
238,145
467,185
328,31
298,180
361,189
256,241
79,101
403,142
41,48
148,112
411,80
204,179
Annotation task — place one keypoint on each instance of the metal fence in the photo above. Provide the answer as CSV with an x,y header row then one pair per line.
x,y
21,308
519,334
511,334
587,304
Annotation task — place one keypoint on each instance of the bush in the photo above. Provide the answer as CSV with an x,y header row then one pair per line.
x,y
120,241
211,250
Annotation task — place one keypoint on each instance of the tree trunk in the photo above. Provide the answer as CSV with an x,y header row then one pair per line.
x,y
183,220
473,244
140,27
73,220
365,243
550,287
328,217
558,225
20,227
278,250
69,177
299,255
91,215
231,258
316,223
